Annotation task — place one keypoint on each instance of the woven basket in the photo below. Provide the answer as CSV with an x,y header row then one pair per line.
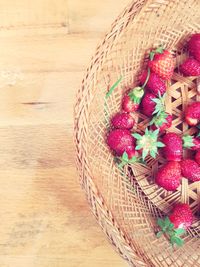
x,y
127,204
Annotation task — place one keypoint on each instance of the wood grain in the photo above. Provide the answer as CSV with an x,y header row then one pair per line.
x,y
45,48
23,13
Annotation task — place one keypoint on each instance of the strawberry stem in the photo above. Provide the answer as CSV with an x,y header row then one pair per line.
x,y
151,55
106,97
147,78
112,88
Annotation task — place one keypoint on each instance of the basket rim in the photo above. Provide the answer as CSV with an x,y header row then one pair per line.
x,y
125,247
93,195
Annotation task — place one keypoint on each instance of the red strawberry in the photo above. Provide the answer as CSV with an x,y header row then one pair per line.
x,y
155,85
162,63
132,99
190,170
128,105
173,147
122,121
121,141
181,216
192,114
194,46
176,224
148,105
151,105
169,176
197,157
191,142
190,67
162,121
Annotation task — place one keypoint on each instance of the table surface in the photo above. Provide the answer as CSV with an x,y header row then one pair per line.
x,y
45,48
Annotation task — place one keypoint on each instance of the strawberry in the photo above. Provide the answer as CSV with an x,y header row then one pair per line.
x,y
173,147
191,142
161,121
190,67
181,216
151,105
128,105
122,121
148,105
162,63
131,100
120,141
176,224
154,84
169,176
190,169
197,157
194,46
192,114
148,143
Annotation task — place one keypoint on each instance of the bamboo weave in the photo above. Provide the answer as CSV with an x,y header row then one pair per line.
x,y
127,204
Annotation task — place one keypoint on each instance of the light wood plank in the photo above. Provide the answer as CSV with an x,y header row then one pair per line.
x,y
92,15
40,98
44,219
39,77
45,49
23,13
45,53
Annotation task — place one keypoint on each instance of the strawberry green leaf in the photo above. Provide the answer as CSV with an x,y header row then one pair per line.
x,y
176,240
147,142
137,136
136,94
160,144
159,119
187,141
159,95
169,232
144,153
167,221
180,231
133,159
160,105
161,222
156,100
155,133
152,121
153,154
120,165
159,234
113,87
171,226
125,156
159,50
138,147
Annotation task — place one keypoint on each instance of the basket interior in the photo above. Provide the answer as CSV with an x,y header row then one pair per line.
x,y
132,197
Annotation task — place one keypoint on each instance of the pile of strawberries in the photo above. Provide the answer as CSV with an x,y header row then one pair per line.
x,y
131,146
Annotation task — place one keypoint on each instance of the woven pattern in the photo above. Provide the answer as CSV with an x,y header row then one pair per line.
x,y
127,204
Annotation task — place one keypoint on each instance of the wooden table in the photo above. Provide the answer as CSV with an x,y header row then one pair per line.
x,y
45,47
